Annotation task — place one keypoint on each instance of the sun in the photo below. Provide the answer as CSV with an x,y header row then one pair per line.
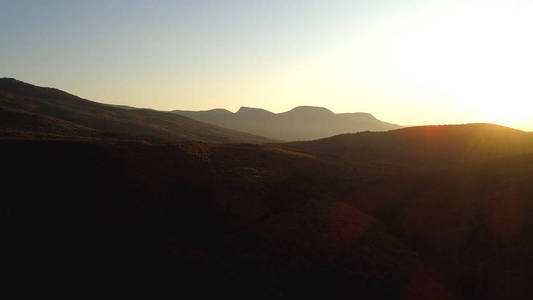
x,y
476,55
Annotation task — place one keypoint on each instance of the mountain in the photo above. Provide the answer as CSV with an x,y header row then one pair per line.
x,y
30,110
300,123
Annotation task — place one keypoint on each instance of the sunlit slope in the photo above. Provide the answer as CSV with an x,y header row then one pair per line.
x,y
417,146
459,195
32,110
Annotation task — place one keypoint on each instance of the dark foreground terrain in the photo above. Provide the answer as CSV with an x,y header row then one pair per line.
x,y
95,195
420,213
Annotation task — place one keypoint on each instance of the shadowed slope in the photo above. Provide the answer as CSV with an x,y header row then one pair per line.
x,y
450,222
48,111
433,212
240,219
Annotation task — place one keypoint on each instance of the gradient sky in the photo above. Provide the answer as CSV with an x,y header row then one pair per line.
x,y
407,62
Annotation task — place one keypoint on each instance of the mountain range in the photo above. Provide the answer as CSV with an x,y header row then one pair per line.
x,y
26,109
300,123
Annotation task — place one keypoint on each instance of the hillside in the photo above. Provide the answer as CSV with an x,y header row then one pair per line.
x,y
310,219
95,191
423,146
240,219
275,222
300,123
30,110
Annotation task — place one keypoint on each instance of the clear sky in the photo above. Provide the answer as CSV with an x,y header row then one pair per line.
x,y
408,62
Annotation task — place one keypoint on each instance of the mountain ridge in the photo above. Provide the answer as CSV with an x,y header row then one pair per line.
x,y
431,145
50,111
299,123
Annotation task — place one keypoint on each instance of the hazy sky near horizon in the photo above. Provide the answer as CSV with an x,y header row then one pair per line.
x,y
408,62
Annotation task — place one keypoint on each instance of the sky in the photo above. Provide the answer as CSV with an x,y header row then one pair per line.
x,y
410,62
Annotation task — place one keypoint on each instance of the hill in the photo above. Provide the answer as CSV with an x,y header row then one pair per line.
x,y
443,145
432,212
30,110
274,222
240,219
300,123
270,221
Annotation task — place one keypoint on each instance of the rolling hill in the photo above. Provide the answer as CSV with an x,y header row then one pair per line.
x,y
30,110
240,219
423,146
312,219
300,123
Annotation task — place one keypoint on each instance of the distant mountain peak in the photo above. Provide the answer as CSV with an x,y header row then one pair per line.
x,y
360,115
299,123
312,109
220,111
309,111
253,110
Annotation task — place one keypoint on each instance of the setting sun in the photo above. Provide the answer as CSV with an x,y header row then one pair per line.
x,y
470,57
478,56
